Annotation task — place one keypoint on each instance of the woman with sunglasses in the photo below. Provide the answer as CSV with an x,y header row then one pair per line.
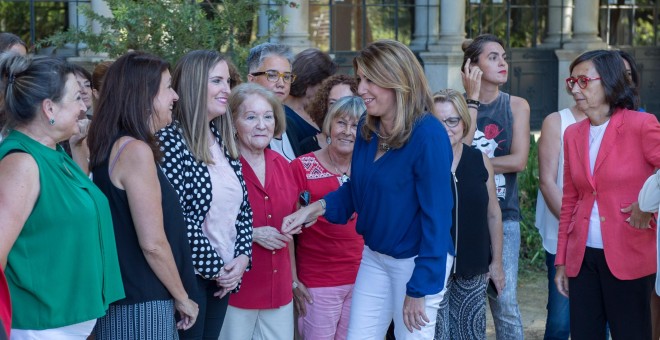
x,y
476,229
327,255
501,131
606,245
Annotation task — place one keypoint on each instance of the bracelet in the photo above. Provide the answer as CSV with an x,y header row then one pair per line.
x,y
473,106
322,201
472,101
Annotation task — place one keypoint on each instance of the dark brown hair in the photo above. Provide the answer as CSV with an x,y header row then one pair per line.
x,y
318,107
26,82
311,67
7,40
99,74
472,48
619,92
126,104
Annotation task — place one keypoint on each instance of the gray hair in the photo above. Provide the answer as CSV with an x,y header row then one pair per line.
x,y
352,107
262,51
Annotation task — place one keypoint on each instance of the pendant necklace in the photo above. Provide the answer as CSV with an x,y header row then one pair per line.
x,y
344,177
382,146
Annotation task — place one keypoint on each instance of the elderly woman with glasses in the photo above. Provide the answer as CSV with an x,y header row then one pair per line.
x,y
606,245
476,229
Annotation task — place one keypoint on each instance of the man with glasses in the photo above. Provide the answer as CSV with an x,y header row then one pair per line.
x,y
269,65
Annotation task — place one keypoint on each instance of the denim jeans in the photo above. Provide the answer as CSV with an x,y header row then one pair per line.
x,y
557,325
506,315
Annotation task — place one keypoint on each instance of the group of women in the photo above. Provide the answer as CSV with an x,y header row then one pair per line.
x,y
385,216
166,227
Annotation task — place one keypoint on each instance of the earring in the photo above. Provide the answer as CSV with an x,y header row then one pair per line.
x,y
52,121
328,140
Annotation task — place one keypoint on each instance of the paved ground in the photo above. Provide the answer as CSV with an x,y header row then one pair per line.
x,y
532,297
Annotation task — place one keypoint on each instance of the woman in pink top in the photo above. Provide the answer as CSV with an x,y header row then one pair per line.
x,y
327,256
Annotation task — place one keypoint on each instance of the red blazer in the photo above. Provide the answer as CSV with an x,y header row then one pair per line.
x,y
629,152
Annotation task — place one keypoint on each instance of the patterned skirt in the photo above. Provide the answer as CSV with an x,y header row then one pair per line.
x,y
147,320
462,313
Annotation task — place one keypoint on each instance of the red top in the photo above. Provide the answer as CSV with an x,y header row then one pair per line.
x,y
269,283
327,254
5,303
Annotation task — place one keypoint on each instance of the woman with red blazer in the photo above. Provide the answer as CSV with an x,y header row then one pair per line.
x,y
606,244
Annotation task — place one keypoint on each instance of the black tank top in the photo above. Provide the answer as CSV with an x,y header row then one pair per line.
x,y
140,282
473,253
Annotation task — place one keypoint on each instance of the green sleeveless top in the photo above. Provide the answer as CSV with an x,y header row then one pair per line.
x,y
63,267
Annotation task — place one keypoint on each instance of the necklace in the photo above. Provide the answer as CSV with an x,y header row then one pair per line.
x,y
344,177
385,147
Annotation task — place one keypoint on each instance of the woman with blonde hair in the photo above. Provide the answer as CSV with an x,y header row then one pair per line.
x,y
476,229
400,189
201,160
263,309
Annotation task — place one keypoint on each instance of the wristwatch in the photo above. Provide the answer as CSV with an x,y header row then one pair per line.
x,y
295,284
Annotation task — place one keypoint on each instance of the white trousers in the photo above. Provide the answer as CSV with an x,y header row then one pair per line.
x,y
258,324
79,331
378,295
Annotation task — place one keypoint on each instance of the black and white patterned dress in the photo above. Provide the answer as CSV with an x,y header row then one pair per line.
x,y
192,182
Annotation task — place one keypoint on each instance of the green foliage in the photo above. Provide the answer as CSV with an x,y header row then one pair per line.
x,y
15,18
532,255
169,28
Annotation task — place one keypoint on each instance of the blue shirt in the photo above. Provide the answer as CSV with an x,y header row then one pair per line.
x,y
404,202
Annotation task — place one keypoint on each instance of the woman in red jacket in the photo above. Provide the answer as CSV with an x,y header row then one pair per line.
x,y
606,245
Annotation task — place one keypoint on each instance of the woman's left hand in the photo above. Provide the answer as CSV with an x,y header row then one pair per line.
x,y
638,219
301,298
414,313
231,274
496,274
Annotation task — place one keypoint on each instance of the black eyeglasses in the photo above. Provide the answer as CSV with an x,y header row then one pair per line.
x,y
273,76
304,198
582,81
452,121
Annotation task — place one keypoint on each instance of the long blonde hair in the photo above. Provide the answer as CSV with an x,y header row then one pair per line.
x,y
391,65
190,81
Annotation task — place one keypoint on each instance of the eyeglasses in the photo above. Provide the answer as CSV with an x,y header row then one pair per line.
x,y
304,198
452,121
582,81
273,76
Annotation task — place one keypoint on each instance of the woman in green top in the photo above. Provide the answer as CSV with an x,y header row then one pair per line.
x,y
57,246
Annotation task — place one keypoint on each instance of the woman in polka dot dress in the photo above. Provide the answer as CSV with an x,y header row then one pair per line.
x,y
201,160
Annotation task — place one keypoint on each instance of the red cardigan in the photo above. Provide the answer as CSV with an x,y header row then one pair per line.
x,y
269,283
629,153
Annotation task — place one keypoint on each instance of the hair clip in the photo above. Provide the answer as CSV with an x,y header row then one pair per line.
x,y
11,78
